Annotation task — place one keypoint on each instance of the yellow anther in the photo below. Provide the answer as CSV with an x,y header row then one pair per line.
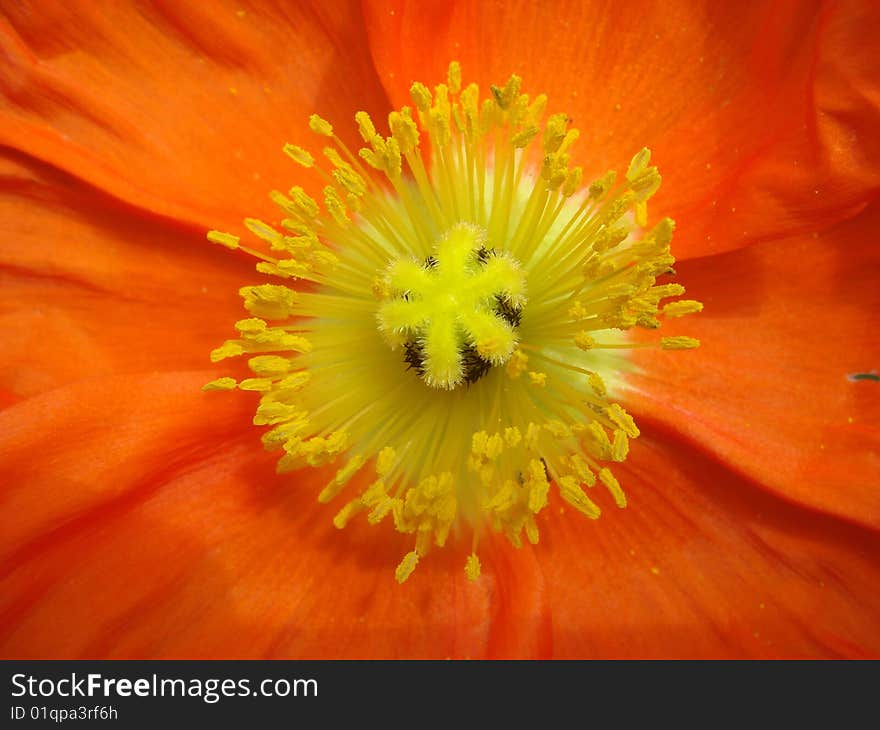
x,y
224,239
533,432
472,567
517,114
343,477
539,379
577,311
599,441
365,125
582,470
567,141
554,133
404,130
270,412
320,126
264,231
391,157
536,109
479,443
453,77
518,364
344,515
512,436
524,138
385,461
303,203
441,101
584,341
638,164
421,96
610,238
538,486
441,129
299,155
505,96
350,180
335,206
597,384
335,158
489,113
469,102
613,486
406,566
679,343
384,507
532,533
620,446
599,188
269,366
573,494
374,157
294,382
287,206
646,185
661,234
227,349
622,420
572,182
682,307
220,384
494,447
285,431
251,325
666,290
558,429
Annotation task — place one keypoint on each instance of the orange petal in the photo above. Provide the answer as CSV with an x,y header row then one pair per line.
x,y
761,116
702,564
141,518
89,287
181,108
774,390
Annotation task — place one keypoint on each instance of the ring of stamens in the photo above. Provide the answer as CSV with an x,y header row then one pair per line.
x,y
435,266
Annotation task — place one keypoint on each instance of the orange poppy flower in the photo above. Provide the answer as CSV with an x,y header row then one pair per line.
x,y
141,518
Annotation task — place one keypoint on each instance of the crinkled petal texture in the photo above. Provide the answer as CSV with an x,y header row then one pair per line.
x,y
90,287
152,525
705,564
140,517
179,108
762,116
784,388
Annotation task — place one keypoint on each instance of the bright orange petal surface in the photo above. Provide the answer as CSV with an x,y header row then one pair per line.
x,y
762,116
140,516
152,525
704,564
180,108
90,287
774,391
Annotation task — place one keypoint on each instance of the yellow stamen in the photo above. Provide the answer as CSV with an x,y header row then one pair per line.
x,y
472,567
679,343
464,333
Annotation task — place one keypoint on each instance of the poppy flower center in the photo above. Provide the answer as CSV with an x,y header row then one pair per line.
x,y
456,312
455,318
